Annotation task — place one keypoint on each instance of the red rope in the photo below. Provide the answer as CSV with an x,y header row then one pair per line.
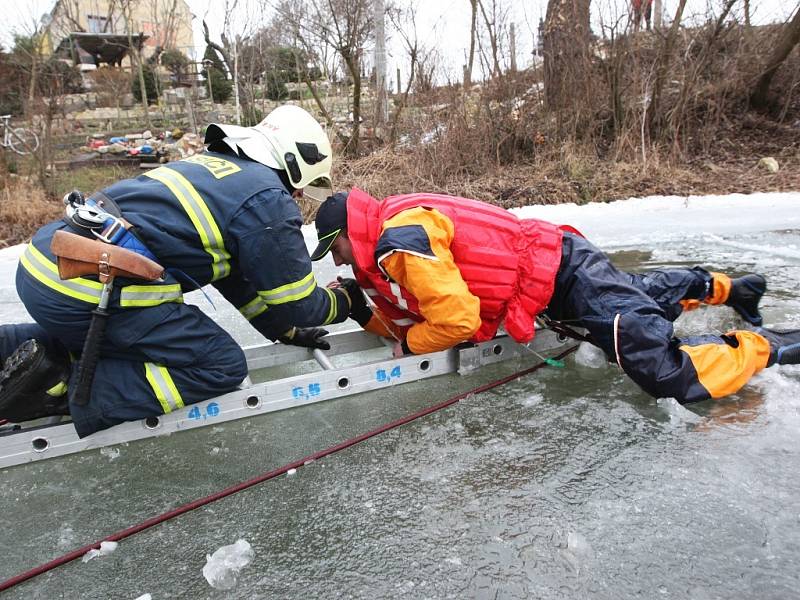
x,y
9,583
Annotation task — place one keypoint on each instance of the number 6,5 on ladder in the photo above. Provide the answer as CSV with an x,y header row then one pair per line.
x,y
20,140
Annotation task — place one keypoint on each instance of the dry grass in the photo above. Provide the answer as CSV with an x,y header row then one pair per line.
x,y
26,207
579,178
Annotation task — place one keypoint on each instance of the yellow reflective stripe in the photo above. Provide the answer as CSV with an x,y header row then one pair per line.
x,y
290,292
332,311
150,295
253,308
161,381
58,389
45,271
200,215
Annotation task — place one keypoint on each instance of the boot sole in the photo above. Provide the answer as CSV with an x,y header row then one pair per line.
x,y
27,357
22,380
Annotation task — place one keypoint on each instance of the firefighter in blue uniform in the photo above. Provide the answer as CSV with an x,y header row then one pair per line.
x,y
226,217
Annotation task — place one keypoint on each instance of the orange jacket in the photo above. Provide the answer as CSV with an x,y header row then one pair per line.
x,y
442,270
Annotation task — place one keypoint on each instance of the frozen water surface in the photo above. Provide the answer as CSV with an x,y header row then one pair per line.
x,y
570,483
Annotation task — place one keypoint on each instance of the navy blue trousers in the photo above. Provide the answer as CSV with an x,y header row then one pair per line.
x,y
629,316
172,346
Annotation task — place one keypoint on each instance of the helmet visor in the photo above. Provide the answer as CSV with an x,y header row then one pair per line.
x,y
318,190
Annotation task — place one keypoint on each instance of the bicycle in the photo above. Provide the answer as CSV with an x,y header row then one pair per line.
x,y
20,140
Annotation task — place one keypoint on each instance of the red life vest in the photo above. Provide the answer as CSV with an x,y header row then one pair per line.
x,y
508,263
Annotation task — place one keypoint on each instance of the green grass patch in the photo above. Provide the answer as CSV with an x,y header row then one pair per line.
x,y
89,179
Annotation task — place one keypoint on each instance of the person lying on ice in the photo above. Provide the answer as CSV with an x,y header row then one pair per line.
x,y
225,217
442,270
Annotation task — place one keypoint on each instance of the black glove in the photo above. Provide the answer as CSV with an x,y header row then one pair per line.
x,y
307,337
359,311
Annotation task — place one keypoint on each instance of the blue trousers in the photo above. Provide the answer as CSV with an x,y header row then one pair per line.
x,y
177,344
629,316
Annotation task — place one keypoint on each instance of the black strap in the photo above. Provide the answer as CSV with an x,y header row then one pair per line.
x,y
565,330
106,203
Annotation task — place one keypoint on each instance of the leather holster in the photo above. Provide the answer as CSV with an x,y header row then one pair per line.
x,y
78,256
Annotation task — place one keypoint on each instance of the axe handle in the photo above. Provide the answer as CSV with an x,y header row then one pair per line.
x,y
91,352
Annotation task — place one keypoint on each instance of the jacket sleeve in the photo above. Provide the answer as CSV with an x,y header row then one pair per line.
x,y
244,297
414,250
273,259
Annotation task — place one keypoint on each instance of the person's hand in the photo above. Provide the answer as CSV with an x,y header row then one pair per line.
x,y
350,285
359,311
306,337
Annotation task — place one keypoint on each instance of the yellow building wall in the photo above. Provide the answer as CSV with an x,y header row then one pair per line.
x,y
168,23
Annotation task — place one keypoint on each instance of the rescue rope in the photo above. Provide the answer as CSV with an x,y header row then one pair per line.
x,y
69,557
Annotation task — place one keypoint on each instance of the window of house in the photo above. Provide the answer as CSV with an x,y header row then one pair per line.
x,y
97,24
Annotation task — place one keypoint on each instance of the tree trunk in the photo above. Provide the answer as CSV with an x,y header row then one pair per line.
x,y
381,96
787,40
142,85
657,12
404,98
512,47
232,68
566,53
491,29
472,35
355,72
654,116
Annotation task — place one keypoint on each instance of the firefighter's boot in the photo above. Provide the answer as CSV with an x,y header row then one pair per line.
x,y
33,383
784,346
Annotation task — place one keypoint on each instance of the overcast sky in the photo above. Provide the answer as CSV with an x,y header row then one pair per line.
x,y
443,24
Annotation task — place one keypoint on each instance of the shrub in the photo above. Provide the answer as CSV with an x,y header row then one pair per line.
x,y
149,85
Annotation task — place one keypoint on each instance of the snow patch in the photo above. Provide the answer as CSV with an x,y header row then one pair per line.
x,y
105,549
222,568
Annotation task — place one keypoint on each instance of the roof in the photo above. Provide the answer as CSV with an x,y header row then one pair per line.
x,y
104,47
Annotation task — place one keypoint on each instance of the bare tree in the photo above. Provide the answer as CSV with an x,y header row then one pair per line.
x,y
164,16
473,33
701,63
494,22
566,53
136,56
381,99
787,40
345,26
287,28
229,51
407,28
658,11
654,116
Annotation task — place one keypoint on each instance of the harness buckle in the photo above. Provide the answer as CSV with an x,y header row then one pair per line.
x,y
113,230
104,269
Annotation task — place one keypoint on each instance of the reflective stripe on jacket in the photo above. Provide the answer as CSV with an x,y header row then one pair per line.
x,y
509,265
41,265
221,219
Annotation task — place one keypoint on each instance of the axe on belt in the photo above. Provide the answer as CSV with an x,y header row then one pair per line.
x,y
78,256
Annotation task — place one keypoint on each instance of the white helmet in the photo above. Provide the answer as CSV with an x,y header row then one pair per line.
x,y
289,138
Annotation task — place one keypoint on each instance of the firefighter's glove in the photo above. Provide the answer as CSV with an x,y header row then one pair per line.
x,y
359,311
307,337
